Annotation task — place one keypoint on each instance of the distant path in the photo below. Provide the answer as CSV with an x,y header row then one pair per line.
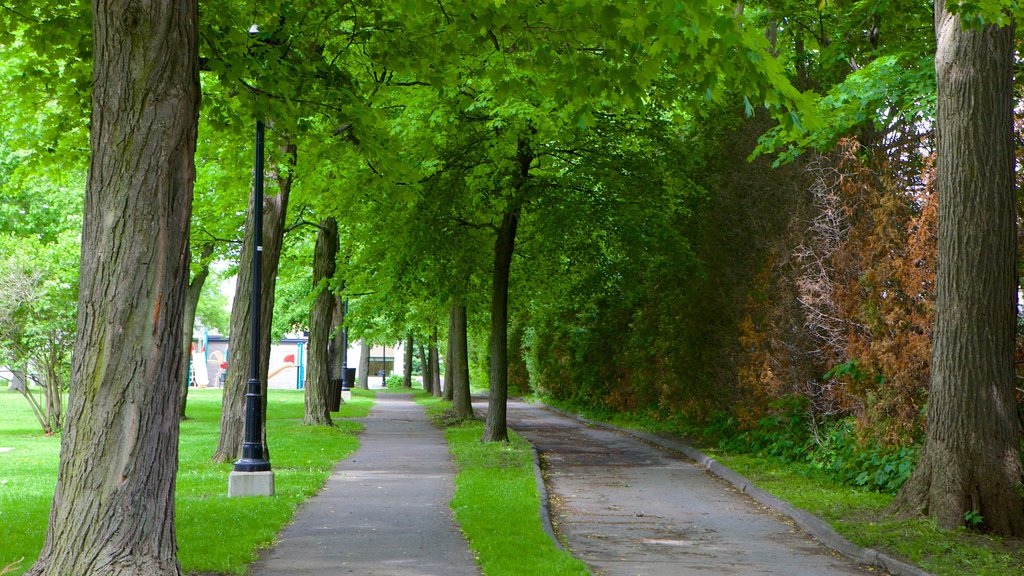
x,y
384,511
628,509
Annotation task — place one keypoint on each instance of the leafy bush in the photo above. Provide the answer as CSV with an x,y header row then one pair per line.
x,y
872,466
395,381
785,434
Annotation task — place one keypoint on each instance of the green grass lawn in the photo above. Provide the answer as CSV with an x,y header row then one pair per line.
x,y
497,504
215,533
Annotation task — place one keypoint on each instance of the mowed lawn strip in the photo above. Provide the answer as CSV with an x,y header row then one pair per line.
x,y
215,533
28,474
497,504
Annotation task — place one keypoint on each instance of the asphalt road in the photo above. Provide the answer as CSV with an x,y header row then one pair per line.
x,y
630,509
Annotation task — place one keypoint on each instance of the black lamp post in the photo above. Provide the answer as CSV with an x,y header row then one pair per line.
x,y
345,383
384,367
253,455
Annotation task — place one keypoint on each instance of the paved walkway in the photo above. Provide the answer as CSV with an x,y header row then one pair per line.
x,y
628,509
625,508
384,511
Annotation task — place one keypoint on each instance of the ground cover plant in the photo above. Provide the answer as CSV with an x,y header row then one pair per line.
x,y
847,484
496,501
215,533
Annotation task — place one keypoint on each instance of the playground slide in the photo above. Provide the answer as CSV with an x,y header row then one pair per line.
x,y
278,369
200,373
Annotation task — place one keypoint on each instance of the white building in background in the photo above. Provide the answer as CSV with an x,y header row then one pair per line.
x,y
211,354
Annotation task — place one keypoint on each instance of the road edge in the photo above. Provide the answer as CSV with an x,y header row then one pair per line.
x,y
816,527
545,499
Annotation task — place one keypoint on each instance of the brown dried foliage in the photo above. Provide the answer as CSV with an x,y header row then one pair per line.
x,y
892,248
857,287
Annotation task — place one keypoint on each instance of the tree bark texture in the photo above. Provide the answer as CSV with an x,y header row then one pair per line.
x,y
364,365
971,459
232,417
427,373
337,349
407,376
448,365
458,369
195,287
321,321
435,367
495,429
113,507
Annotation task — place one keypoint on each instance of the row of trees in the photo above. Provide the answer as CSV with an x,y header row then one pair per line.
x,y
567,170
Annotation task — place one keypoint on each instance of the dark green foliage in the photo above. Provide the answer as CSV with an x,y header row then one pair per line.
x,y
853,370
786,434
611,321
871,466
518,373
647,318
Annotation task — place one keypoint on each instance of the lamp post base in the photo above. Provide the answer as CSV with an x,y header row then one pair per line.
x,y
250,483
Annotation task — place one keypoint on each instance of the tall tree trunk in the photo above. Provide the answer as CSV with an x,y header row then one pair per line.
x,y
195,287
458,369
427,373
971,458
435,368
448,364
113,508
407,377
337,349
321,320
364,365
495,429
232,417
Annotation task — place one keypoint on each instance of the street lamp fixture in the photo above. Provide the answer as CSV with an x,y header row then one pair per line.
x,y
252,475
253,459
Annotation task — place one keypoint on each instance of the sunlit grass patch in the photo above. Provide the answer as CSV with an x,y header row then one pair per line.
x,y
28,474
497,504
215,533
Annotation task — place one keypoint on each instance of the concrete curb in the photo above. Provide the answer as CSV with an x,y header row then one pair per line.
x,y
545,498
816,527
